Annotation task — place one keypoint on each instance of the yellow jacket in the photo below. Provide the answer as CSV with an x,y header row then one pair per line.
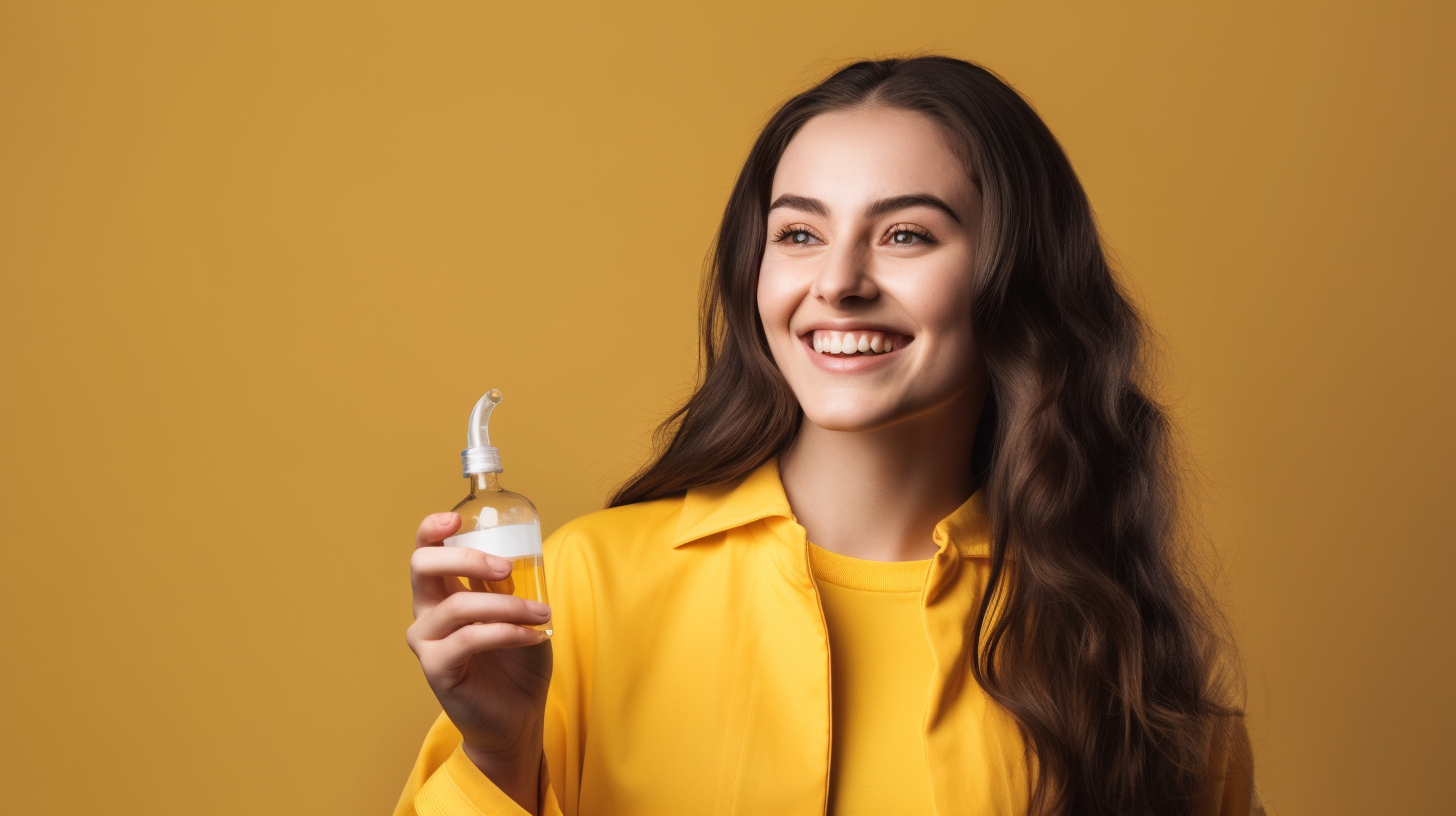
x,y
692,673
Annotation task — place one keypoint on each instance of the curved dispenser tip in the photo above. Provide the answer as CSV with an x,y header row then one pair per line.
x,y
479,431
479,455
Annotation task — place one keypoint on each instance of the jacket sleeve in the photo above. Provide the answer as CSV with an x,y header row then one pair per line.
x,y
444,782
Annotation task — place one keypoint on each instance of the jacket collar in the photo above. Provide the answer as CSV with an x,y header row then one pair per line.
x,y
760,495
724,506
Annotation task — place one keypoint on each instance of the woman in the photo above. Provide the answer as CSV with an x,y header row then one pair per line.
x,y
909,548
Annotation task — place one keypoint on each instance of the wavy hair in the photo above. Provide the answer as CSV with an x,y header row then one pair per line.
x,y
1091,631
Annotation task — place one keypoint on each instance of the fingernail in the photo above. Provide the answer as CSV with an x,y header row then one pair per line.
x,y
444,519
538,608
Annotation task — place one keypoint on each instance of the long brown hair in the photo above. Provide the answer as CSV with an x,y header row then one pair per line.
x,y
1091,632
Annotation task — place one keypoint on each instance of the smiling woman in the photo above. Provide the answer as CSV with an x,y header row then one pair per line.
x,y
909,546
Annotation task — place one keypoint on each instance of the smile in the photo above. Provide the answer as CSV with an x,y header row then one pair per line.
x,y
853,343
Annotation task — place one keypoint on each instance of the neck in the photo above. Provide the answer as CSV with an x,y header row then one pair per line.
x,y
484,483
878,494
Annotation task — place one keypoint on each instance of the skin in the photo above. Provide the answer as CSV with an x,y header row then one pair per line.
x,y
884,452
881,457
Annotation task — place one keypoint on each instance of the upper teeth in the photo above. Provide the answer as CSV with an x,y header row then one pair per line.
x,y
832,342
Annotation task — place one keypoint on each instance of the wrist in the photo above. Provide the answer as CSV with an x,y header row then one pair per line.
x,y
517,773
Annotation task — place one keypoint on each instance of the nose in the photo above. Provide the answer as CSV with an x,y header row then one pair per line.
x,y
845,274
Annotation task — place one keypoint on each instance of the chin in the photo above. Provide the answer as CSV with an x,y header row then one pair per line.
x,y
844,416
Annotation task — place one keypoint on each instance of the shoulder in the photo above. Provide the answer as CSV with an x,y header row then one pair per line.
x,y
605,565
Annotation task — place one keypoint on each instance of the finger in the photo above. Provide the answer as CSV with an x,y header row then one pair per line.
x,y
459,562
436,528
433,530
456,650
435,569
464,608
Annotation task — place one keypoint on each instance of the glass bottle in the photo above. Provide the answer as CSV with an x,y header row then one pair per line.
x,y
498,521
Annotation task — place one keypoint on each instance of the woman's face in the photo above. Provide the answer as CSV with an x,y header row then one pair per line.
x,y
865,286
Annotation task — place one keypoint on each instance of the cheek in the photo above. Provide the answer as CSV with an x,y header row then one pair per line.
x,y
776,302
949,317
941,305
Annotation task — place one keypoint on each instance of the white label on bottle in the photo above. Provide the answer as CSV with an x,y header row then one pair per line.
x,y
508,541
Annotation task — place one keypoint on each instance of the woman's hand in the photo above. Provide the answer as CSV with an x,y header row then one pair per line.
x,y
468,645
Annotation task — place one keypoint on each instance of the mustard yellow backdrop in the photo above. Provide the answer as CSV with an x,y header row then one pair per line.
x,y
259,259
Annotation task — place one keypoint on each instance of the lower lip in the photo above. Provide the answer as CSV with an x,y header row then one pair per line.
x,y
848,365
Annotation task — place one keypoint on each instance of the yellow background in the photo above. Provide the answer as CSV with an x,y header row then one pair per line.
x,y
259,260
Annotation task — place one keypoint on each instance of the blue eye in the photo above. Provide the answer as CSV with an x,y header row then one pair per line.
x,y
909,237
794,236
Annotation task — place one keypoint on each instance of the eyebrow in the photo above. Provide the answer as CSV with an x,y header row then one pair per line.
x,y
878,208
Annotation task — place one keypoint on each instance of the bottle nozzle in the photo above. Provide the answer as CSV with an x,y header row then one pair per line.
x,y
479,456
479,433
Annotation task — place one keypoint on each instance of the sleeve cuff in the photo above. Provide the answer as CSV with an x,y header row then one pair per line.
x,y
458,788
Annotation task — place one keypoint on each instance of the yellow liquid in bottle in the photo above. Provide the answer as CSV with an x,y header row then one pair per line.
x,y
527,580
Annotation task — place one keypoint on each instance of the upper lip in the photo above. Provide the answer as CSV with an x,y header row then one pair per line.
x,y
849,326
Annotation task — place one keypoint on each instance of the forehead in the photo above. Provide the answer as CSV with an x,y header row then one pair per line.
x,y
854,156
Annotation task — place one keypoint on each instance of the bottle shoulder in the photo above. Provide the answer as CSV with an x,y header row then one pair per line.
x,y
499,507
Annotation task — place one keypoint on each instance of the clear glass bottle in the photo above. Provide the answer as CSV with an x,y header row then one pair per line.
x,y
498,521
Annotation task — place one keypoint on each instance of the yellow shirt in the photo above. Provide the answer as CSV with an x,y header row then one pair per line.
x,y
692,673
880,670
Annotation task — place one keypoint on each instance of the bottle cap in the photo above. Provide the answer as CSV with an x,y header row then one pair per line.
x,y
479,455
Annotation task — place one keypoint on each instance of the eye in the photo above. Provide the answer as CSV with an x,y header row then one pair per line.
x,y
795,236
909,236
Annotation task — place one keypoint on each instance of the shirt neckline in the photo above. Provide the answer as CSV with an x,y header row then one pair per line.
x,y
863,574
